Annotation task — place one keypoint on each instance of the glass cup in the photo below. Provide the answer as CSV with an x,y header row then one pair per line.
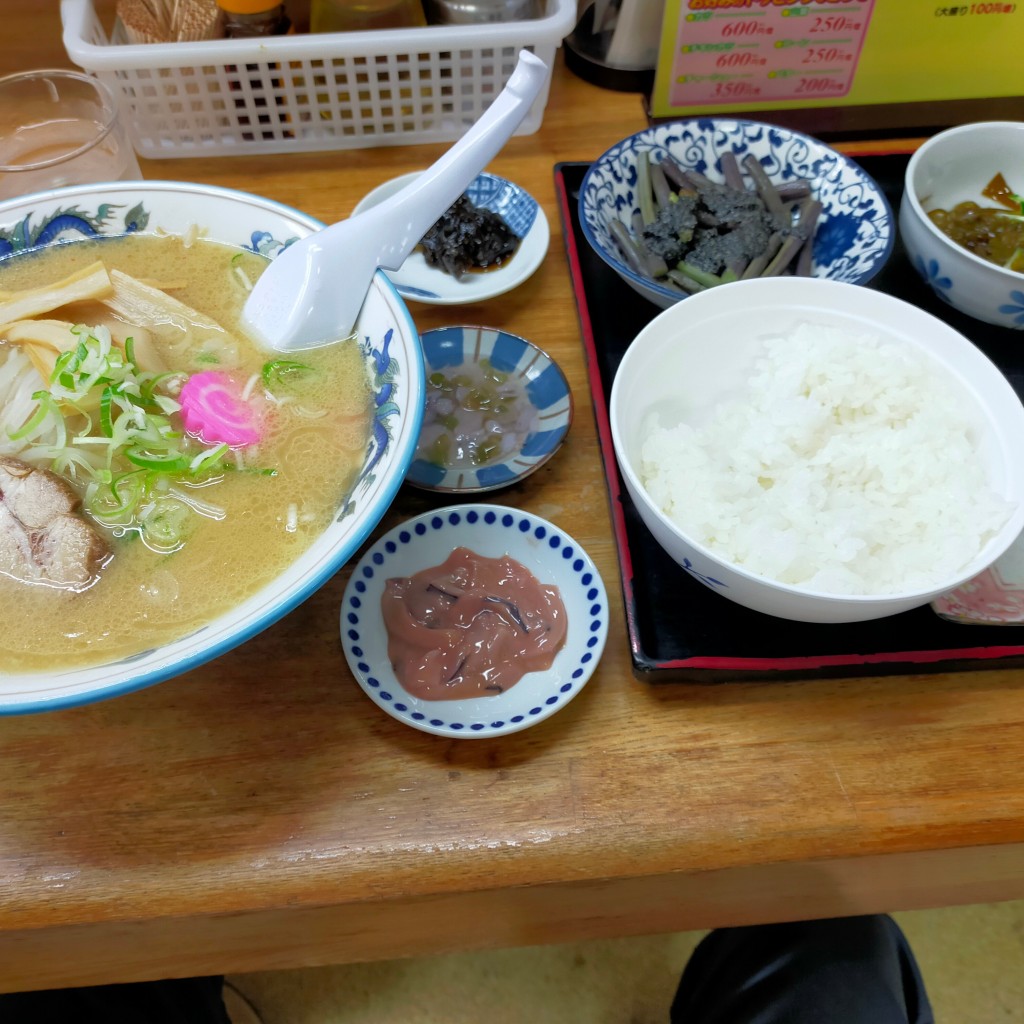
x,y
60,128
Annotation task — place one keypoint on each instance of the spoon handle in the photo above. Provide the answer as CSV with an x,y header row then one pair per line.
x,y
404,218
311,294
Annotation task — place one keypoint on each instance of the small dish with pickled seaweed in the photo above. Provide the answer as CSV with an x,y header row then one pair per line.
x,y
687,205
490,241
497,408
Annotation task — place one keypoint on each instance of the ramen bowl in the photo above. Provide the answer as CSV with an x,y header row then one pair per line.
x,y
854,234
394,366
951,168
776,480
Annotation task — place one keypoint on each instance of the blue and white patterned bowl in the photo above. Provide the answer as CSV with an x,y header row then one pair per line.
x,y
491,531
390,341
953,167
446,349
855,233
417,280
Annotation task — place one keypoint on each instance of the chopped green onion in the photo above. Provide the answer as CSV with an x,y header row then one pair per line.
x,y
252,470
285,371
62,369
106,423
36,419
169,461
210,458
150,383
125,443
168,405
165,523
125,490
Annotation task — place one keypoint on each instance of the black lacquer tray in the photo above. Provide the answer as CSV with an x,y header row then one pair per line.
x,y
678,628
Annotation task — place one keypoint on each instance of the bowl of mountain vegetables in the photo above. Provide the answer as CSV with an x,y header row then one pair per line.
x,y
681,207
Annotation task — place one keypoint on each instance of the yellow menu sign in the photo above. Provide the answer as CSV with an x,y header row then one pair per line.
x,y
718,56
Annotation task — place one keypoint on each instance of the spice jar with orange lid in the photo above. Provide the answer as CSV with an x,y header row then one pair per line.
x,y
244,19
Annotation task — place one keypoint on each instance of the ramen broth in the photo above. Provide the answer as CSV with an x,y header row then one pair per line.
x,y
291,488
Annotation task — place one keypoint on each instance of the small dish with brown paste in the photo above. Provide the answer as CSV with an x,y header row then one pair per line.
x,y
474,621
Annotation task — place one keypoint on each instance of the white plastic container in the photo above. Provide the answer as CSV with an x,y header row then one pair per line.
x,y
303,93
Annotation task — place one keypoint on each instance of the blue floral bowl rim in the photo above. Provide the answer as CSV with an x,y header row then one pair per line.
x,y
525,471
621,268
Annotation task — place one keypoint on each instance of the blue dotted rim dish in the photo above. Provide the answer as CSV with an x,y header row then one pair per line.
x,y
492,531
448,348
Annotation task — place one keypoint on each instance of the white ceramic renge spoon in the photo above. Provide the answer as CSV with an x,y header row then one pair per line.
x,y
311,294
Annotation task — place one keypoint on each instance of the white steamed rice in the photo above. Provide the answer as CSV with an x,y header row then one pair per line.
x,y
846,467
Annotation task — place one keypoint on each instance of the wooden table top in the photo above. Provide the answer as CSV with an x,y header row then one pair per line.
x,y
260,812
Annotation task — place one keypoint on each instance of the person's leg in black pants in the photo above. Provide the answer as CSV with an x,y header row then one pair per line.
x,y
180,1001
848,970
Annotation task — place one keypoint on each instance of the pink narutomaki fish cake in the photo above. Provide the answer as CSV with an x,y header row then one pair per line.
x,y
215,408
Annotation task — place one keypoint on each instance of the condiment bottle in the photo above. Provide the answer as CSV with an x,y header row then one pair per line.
x,y
247,18
356,15
475,12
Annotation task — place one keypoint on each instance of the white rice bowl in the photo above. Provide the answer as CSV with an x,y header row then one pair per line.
x,y
818,451
847,466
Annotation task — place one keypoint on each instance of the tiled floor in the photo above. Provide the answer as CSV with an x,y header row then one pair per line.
x,y
971,959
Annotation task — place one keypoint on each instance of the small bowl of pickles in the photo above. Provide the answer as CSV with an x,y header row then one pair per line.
x,y
497,408
962,219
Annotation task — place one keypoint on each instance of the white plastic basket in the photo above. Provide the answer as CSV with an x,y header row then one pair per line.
x,y
302,93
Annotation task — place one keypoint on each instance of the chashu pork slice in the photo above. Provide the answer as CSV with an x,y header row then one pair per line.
x,y
43,536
